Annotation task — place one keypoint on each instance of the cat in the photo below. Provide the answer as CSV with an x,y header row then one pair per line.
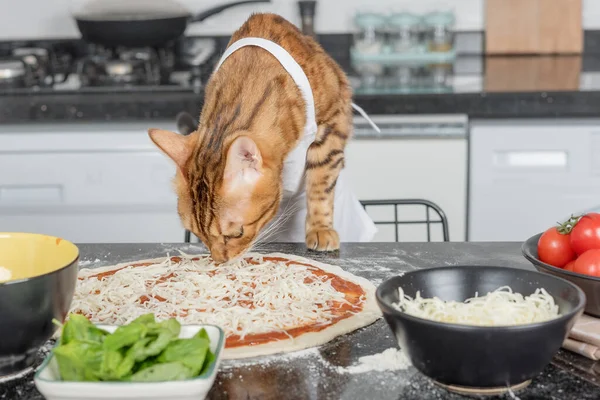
x,y
229,178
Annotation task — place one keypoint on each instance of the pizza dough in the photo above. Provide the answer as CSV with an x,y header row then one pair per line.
x,y
253,298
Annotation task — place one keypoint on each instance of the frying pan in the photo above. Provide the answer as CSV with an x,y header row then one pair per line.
x,y
144,27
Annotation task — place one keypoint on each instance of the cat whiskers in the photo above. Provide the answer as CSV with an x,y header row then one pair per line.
x,y
284,216
271,231
274,228
271,236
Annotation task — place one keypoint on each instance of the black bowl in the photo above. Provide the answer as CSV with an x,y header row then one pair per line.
x,y
589,284
45,271
475,356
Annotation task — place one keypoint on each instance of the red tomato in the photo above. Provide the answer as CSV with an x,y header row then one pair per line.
x,y
554,248
588,263
569,266
585,235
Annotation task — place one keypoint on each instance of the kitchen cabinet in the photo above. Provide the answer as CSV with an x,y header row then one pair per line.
x,y
525,175
108,183
88,183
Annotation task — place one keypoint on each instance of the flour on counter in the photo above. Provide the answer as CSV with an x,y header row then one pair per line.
x,y
85,263
391,359
311,352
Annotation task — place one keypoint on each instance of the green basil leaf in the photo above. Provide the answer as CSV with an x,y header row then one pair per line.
x,y
79,361
174,371
202,334
132,354
111,360
171,325
208,361
191,352
169,331
148,362
80,328
145,319
125,336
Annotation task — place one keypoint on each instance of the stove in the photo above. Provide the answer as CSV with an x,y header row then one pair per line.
x,y
80,67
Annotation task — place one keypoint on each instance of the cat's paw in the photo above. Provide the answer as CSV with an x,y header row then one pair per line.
x,y
322,240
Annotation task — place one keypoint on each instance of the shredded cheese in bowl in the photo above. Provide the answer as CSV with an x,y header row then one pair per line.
x,y
502,307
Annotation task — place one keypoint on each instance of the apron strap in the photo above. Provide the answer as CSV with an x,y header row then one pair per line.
x,y
290,65
364,114
297,74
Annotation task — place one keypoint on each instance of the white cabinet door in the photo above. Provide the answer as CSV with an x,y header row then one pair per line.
x,y
525,175
431,169
87,183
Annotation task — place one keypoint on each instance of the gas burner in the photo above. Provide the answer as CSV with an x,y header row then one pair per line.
x,y
38,64
38,61
117,73
124,67
27,67
13,74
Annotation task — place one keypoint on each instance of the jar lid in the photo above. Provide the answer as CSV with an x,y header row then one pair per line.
x,y
369,20
438,18
404,19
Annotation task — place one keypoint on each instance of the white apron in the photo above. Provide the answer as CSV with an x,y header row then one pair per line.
x,y
350,220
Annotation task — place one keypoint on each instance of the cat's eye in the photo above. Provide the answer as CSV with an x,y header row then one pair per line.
x,y
235,236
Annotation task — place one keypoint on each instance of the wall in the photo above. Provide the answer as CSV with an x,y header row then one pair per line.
x,y
25,19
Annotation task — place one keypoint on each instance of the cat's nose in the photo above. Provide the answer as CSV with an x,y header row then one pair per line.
x,y
219,255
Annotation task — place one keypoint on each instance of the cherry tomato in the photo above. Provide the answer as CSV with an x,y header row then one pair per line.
x,y
588,263
569,266
554,248
585,234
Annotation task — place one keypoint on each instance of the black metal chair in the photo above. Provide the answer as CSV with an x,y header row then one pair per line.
x,y
428,205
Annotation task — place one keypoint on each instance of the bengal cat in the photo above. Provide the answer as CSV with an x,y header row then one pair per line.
x,y
229,171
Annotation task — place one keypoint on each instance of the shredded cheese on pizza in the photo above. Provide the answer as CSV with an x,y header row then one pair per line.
x,y
242,297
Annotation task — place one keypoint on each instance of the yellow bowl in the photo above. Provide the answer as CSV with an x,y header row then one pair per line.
x,y
38,274
28,255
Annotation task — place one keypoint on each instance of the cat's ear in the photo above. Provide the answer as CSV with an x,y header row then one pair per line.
x,y
172,144
244,164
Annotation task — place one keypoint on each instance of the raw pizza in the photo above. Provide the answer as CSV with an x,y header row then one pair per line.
x,y
265,303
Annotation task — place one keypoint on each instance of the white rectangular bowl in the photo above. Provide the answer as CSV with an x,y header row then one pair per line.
x,y
47,378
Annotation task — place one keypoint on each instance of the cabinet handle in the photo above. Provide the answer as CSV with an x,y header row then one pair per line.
x,y
531,159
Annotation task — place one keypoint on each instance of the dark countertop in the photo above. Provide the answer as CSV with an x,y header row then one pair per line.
x,y
493,87
313,374
133,107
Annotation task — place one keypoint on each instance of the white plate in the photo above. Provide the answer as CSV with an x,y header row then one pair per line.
x,y
48,381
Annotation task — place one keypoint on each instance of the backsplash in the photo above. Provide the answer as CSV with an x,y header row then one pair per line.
x,y
26,19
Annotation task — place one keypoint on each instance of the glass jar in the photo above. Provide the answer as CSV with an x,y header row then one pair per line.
x,y
370,37
439,31
440,74
402,76
370,76
404,31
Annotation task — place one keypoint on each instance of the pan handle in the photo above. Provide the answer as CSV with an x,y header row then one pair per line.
x,y
215,10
